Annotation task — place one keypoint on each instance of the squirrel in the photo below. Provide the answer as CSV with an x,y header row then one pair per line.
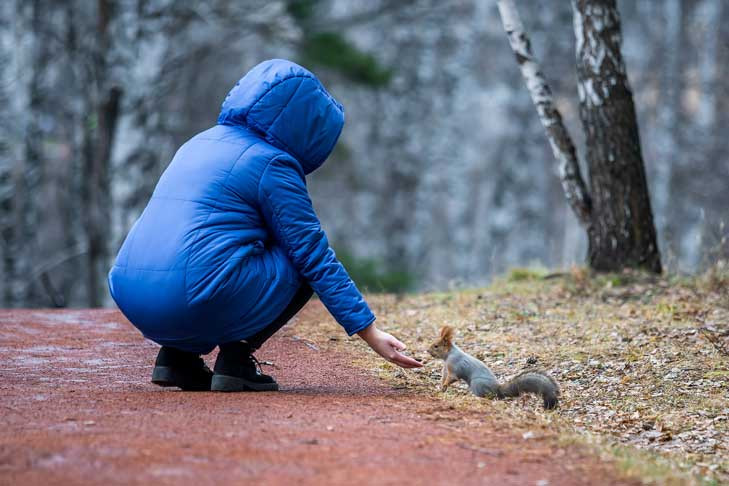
x,y
459,365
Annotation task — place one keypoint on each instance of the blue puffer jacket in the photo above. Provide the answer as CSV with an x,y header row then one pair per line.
x,y
230,232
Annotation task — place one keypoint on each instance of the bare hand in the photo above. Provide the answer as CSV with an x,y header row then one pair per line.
x,y
388,347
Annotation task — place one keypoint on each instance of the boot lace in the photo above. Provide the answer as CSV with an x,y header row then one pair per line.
x,y
256,364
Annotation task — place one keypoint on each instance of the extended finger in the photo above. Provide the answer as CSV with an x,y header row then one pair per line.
x,y
397,344
406,361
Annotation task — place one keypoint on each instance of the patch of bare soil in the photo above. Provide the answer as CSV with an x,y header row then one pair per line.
x,y
77,408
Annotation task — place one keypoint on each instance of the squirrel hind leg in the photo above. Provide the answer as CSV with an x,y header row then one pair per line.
x,y
482,389
550,401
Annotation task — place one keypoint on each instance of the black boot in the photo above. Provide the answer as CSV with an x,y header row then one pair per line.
x,y
181,369
236,369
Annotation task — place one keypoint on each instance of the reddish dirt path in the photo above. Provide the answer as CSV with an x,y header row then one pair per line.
x,y
76,406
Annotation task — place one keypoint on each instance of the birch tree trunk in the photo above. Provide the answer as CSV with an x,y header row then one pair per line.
x,y
20,172
559,138
621,233
10,135
616,212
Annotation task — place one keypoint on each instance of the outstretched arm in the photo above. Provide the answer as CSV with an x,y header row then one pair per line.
x,y
288,211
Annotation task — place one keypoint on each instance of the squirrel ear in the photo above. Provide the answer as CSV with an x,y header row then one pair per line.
x,y
446,334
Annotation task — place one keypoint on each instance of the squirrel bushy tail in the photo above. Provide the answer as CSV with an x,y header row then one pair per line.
x,y
532,382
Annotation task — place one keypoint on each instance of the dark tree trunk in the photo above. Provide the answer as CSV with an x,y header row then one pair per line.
x,y
97,206
621,232
99,138
616,212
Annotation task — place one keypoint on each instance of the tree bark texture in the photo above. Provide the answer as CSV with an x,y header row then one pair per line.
x,y
616,212
622,233
559,138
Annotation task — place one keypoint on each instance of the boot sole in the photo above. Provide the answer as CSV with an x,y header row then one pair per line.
x,y
224,383
165,376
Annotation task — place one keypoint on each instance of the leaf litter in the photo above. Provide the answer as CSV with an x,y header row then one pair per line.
x,y
639,359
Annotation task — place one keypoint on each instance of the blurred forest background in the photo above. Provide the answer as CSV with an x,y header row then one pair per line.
x,y
443,175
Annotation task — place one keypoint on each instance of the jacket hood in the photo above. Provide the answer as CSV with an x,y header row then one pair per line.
x,y
288,107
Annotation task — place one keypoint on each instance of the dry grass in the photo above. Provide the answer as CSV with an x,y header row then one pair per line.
x,y
632,353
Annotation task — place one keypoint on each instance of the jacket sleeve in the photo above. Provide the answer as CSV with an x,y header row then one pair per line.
x,y
289,213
